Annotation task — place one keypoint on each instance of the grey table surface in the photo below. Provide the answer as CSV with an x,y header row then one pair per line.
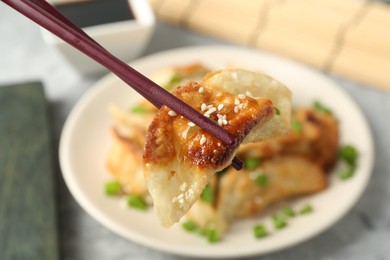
x,y
364,233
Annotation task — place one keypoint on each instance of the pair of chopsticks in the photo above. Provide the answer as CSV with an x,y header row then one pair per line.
x,y
51,19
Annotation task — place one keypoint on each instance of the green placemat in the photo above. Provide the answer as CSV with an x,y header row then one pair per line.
x,y
28,228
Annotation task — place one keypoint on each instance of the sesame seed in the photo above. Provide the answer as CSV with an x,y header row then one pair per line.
x,y
183,186
235,109
249,94
236,101
202,140
220,106
203,107
212,110
201,89
220,122
181,201
210,106
172,113
190,124
187,195
241,96
225,122
240,106
181,196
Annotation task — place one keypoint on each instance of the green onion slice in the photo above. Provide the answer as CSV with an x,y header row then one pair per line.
x,y
173,82
113,188
212,235
137,202
260,231
347,174
207,194
190,226
296,126
306,210
261,180
252,163
321,108
279,222
349,154
139,109
288,212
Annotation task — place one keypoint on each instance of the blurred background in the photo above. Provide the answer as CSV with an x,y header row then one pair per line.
x,y
347,40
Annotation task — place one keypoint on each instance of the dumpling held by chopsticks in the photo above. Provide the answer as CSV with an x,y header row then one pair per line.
x,y
180,157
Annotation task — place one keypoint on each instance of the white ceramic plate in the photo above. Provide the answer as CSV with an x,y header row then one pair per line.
x,y
85,142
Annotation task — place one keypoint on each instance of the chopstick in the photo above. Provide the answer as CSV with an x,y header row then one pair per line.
x,y
48,17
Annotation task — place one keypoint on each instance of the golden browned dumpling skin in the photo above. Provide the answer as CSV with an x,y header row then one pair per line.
x,y
124,159
316,138
242,195
180,158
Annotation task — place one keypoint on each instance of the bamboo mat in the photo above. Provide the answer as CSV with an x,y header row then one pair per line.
x,y
350,38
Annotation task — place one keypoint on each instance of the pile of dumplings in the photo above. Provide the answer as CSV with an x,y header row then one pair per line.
x,y
287,152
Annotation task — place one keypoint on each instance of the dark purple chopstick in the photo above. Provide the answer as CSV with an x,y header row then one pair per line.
x,y
48,17
50,9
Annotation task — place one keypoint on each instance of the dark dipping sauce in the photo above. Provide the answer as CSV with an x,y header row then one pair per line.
x,y
96,12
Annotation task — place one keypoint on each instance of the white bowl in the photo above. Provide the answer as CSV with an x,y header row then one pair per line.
x,y
125,39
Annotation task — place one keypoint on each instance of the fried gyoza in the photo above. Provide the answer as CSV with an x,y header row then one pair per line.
x,y
287,176
180,158
316,137
247,193
125,156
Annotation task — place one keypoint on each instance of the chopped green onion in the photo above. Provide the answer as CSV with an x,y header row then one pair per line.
x,y
279,222
296,126
260,231
277,111
190,226
222,172
261,180
289,212
173,82
212,235
136,202
175,78
346,174
138,109
113,188
214,121
306,210
349,154
321,108
251,163
207,195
